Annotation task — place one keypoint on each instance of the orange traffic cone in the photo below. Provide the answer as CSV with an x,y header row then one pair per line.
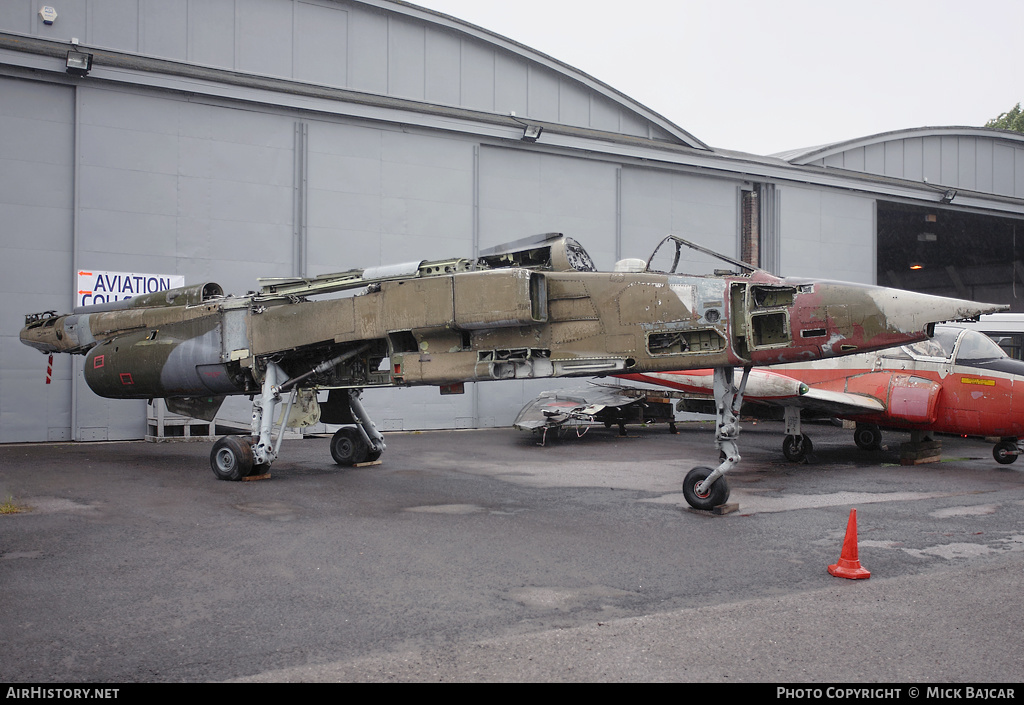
x,y
849,565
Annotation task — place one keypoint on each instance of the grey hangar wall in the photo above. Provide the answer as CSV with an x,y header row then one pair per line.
x,y
144,182
227,140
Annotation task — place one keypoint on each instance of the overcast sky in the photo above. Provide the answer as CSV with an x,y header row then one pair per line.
x,y
769,76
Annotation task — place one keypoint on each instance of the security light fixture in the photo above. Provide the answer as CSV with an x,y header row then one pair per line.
x,y
531,133
79,63
48,15
948,196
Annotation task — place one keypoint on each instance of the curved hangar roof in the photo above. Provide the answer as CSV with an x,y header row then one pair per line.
x,y
382,53
498,74
978,159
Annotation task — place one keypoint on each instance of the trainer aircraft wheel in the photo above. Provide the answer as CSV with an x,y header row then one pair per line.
x,y
231,458
1005,452
796,448
716,495
867,437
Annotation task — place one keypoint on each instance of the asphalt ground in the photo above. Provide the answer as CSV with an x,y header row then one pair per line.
x,y
481,556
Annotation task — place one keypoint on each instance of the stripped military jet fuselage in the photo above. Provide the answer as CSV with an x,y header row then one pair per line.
x,y
532,309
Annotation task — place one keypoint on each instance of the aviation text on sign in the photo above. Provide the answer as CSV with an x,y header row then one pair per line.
x,y
97,287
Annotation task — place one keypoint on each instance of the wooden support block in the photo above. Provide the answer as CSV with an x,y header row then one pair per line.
x,y
917,453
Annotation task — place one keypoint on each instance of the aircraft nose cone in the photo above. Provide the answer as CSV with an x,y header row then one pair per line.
x,y
910,313
850,318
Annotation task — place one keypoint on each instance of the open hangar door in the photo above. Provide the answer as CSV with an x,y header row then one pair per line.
x,y
948,252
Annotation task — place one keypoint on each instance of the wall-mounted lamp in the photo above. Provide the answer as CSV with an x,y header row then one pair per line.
x,y
79,63
948,196
531,133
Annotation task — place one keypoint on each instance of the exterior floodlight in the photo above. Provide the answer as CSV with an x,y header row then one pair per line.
x,y
948,196
532,133
79,63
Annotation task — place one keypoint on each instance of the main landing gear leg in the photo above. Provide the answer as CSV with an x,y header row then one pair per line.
x,y
796,445
359,444
705,488
234,457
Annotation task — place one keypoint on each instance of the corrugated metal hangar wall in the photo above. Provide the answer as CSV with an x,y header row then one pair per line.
x,y
209,141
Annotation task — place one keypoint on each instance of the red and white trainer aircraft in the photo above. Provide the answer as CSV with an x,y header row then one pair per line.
x,y
958,382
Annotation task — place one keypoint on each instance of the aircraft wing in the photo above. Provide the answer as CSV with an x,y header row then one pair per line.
x,y
552,409
834,403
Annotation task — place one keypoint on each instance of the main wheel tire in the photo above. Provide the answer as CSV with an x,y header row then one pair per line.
x,y
1005,452
867,437
231,458
716,495
348,447
796,448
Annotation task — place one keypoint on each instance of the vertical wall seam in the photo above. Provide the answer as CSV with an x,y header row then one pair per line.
x,y
475,399
618,213
300,200
75,245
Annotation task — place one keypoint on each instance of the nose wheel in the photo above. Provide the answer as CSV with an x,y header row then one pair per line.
x,y
708,499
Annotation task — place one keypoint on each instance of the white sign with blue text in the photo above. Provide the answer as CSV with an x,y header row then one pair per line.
x,y
98,287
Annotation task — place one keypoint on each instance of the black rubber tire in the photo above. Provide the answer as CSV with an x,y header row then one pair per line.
x,y
797,448
257,469
867,437
717,495
372,455
348,446
231,458
1004,452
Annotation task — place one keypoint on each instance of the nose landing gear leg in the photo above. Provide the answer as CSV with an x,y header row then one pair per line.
x,y
703,487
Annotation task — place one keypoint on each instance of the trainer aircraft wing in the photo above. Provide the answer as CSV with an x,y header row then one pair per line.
x,y
770,387
836,403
